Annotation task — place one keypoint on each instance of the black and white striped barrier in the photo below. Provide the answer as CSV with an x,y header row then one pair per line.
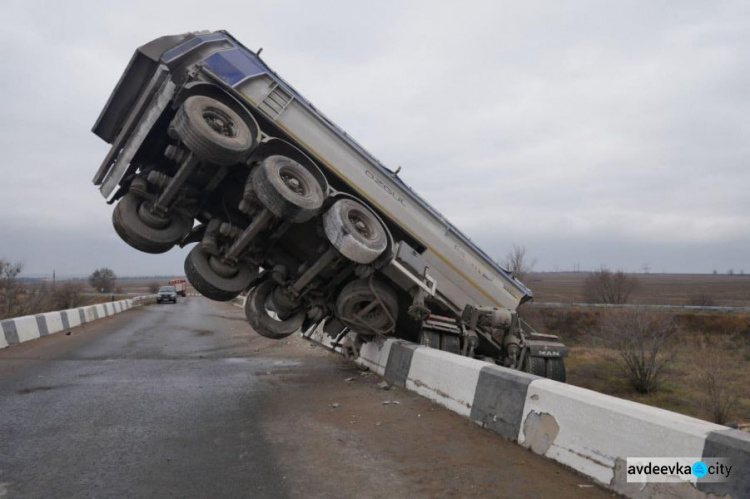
x,y
585,430
31,327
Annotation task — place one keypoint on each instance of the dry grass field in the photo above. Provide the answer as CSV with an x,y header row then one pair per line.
x,y
592,365
598,369
657,289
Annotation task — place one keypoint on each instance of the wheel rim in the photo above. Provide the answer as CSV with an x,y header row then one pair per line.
x,y
375,315
222,268
220,122
294,181
361,224
150,218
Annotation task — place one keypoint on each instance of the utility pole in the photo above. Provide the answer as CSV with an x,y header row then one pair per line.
x,y
646,268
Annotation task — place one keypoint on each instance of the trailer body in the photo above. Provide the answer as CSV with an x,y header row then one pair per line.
x,y
426,255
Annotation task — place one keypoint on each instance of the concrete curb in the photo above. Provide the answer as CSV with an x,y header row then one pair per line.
x,y
590,432
31,327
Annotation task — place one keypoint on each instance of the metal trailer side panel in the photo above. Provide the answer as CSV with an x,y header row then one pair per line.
x,y
464,273
449,257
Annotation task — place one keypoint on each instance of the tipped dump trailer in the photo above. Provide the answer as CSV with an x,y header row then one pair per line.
x,y
211,147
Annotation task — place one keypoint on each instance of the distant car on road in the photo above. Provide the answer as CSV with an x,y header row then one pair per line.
x,y
166,293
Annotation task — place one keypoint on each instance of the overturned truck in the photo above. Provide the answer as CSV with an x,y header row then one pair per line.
x,y
211,147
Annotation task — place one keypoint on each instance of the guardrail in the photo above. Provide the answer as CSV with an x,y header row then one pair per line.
x,y
31,327
585,430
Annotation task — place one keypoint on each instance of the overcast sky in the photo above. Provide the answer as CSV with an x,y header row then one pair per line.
x,y
593,133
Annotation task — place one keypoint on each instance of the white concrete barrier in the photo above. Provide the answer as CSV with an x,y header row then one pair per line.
x,y
585,430
26,328
53,322
31,327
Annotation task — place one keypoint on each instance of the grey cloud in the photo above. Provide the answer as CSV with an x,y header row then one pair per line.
x,y
592,133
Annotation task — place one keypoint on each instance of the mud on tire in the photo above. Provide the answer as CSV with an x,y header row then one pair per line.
x,y
287,189
355,231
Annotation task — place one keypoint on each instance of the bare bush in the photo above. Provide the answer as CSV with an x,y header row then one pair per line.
x,y
605,286
718,399
66,295
518,262
702,300
642,339
153,287
10,288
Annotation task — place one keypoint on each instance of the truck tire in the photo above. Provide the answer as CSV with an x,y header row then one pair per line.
x,y
133,230
355,231
357,295
535,366
213,131
287,189
207,282
258,316
556,370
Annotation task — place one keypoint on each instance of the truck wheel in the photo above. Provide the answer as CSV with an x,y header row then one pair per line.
x,y
357,295
556,370
213,131
205,279
355,231
287,189
147,237
535,366
258,314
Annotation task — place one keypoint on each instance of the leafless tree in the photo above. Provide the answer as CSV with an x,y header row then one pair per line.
x,y
10,288
153,287
719,399
642,339
518,262
605,286
103,280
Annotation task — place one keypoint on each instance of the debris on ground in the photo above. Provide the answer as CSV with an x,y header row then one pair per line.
x,y
389,402
384,385
335,405
349,379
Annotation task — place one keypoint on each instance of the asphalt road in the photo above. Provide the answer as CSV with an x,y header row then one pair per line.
x,y
185,401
